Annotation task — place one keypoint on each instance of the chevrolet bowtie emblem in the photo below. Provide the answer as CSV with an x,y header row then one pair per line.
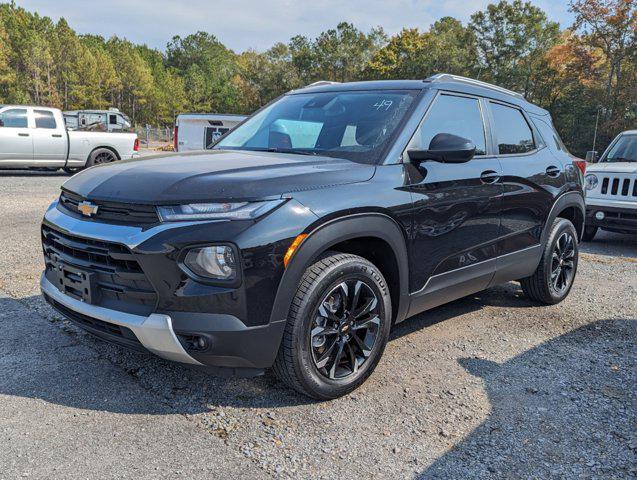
x,y
87,208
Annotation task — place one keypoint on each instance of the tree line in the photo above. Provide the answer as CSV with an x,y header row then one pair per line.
x,y
585,74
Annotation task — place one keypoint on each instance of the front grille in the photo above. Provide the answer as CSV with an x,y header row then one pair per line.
x,y
619,186
111,212
118,280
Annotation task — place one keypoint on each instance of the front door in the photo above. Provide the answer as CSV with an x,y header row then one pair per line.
x,y
16,143
457,213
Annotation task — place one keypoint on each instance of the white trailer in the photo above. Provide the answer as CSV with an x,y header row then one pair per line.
x,y
199,131
98,120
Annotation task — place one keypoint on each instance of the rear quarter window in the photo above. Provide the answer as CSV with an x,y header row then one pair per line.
x,y
550,135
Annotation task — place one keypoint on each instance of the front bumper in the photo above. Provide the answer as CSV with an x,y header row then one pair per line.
x,y
620,216
236,321
154,332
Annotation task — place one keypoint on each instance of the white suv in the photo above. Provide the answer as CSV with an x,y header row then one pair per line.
x,y
611,188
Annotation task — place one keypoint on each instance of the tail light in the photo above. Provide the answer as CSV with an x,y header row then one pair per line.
x,y
581,164
136,145
175,137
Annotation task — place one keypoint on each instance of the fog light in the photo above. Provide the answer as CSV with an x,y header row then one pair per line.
x,y
600,215
197,343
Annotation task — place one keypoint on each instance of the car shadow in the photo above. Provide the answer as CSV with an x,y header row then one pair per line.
x,y
75,369
507,295
563,409
612,244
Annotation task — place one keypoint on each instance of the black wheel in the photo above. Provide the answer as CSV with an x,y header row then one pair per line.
x,y
553,279
100,156
589,234
337,328
72,170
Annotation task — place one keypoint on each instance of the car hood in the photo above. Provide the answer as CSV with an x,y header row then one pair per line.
x,y
612,167
213,176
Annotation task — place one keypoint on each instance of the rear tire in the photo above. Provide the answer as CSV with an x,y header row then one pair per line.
x,y
100,156
328,350
554,276
589,234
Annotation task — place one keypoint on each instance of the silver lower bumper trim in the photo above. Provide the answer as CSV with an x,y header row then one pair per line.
x,y
155,332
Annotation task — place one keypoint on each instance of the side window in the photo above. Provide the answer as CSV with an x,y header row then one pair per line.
x,y
512,132
459,116
14,118
44,119
112,119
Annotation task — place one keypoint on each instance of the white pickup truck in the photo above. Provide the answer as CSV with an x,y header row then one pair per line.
x,y
36,137
611,188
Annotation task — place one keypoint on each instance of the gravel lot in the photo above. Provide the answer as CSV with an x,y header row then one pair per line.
x,y
489,386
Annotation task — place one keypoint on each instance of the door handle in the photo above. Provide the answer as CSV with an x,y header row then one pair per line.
x,y
23,134
489,176
553,171
56,135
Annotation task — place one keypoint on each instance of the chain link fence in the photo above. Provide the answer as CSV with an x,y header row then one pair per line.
x,y
152,137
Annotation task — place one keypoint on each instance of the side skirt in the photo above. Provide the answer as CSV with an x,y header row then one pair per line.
x,y
449,286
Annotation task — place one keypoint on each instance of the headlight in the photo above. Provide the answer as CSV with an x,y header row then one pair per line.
x,y
216,262
214,211
590,181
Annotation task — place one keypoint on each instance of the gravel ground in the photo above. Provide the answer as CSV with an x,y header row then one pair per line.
x,y
489,386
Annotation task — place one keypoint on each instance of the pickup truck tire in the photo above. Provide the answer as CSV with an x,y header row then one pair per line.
x,y
554,276
100,156
337,327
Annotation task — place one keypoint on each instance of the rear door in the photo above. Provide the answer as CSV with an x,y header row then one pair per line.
x,y
457,217
49,138
16,143
533,176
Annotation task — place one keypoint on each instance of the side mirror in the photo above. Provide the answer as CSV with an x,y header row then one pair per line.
x,y
592,156
445,148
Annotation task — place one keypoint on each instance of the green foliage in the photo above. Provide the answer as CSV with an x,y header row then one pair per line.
x,y
577,73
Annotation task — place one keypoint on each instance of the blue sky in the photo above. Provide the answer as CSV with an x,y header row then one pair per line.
x,y
243,24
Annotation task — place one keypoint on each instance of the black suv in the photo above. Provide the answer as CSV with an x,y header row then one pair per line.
x,y
330,214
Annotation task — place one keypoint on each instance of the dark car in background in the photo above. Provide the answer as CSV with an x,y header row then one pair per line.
x,y
331,214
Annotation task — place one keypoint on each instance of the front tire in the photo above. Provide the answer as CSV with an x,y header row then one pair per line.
x,y
337,328
72,170
554,276
589,234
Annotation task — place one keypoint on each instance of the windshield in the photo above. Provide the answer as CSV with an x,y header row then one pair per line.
x,y
356,126
624,150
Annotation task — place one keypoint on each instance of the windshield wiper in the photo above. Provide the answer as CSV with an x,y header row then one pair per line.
x,y
280,150
622,159
291,150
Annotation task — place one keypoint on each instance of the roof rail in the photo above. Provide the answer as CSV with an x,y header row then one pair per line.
x,y
321,82
448,77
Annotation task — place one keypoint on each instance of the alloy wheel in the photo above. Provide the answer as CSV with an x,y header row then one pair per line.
x,y
563,262
345,328
103,157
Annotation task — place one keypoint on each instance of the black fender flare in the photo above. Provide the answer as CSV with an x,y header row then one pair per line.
x,y
566,200
335,231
